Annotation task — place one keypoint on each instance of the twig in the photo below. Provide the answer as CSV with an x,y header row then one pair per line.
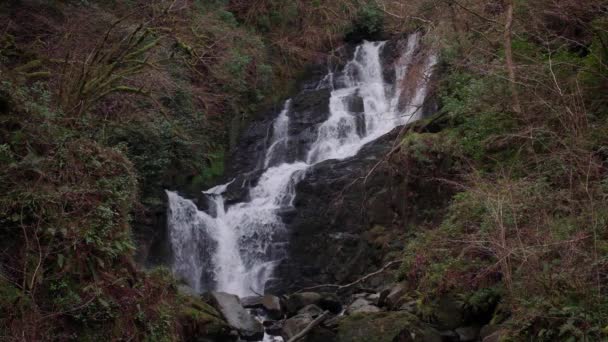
x,y
312,324
342,287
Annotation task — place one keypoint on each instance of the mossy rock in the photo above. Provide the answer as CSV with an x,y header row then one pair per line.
x,y
393,326
201,322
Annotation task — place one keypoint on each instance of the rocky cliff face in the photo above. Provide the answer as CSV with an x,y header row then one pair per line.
x,y
349,214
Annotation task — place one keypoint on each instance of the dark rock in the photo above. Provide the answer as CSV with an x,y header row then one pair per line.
x,y
467,334
332,243
449,336
248,153
308,110
385,327
237,317
395,298
297,301
448,314
200,322
273,328
252,302
271,305
326,301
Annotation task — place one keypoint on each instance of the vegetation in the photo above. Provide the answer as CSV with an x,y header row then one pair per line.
x,y
529,219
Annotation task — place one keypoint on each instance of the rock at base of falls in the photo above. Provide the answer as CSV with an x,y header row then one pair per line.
x,y
237,317
271,305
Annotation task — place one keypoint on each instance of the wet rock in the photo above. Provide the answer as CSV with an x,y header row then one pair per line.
x,y
308,110
467,334
250,149
297,301
273,328
237,317
196,318
271,305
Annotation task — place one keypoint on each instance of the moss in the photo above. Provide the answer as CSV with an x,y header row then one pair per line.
x,y
384,327
197,318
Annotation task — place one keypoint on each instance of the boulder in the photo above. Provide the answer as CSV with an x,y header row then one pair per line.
x,y
326,301
237,317
385,327
294,325
311,310
361,305
271,305
297,301
273,328
197,320
395,298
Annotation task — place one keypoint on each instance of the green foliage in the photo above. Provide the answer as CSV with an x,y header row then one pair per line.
x,y
368,23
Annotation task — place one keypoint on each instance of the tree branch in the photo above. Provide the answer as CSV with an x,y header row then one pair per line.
x,y
312,324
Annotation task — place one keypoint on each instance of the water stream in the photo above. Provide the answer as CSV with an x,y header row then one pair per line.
x,y
234,249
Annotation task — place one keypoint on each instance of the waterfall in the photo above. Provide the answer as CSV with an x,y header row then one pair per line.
x,y
242,243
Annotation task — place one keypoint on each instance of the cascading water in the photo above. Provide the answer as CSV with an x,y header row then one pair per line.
x,y
243,243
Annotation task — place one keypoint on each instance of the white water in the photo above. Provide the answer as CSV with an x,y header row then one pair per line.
x,y
244,247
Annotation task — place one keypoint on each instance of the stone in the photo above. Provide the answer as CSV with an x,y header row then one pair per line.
x,y
374,298
387,326
326,301
237,317
273,328
361,305
197,318
297,301
311,310
395,297
272,306
294,325
467,334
